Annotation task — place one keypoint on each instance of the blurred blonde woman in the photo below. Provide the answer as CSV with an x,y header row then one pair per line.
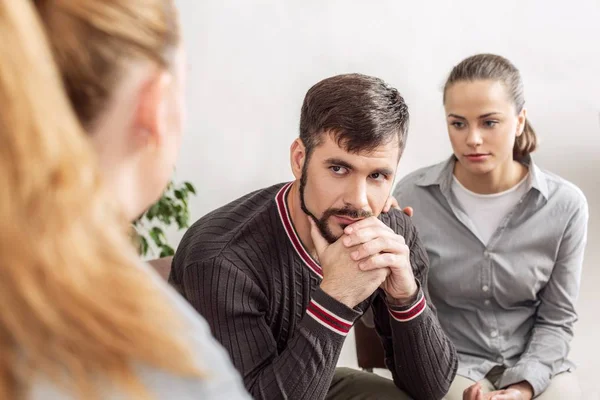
x,y
80,317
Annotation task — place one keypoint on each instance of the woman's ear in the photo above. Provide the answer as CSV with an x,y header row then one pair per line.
x,y
151,117
522,118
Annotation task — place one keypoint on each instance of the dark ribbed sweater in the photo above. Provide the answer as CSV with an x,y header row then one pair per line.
x,y
244,268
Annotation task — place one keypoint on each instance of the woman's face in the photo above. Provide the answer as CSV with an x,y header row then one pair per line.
x,y
483,124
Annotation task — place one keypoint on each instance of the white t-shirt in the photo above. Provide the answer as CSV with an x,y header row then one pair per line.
x,y
486,211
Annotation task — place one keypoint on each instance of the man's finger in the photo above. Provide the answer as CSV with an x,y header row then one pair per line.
x,y
366,223
318,240
371,233
379,261
408,211
362,236
382,244
363,223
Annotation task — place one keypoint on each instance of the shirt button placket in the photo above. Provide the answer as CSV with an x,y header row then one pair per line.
x,y
486,271
486,288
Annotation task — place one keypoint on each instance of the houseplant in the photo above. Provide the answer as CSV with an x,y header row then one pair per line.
x,y
170,210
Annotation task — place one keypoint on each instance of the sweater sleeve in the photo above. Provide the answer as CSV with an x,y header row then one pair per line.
x,y
420,356
238,313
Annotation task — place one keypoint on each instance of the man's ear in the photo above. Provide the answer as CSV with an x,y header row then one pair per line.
x,y
151,116
297,157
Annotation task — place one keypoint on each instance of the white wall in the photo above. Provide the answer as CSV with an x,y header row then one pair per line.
x,y
251,63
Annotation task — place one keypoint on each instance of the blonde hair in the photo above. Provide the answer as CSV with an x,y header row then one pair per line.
x,y
75,307
496,68
93,41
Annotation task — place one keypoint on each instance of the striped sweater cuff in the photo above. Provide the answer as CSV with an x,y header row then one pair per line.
x,y
329,313
410,312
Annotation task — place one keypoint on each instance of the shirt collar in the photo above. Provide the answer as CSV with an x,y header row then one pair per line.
x,y
441,175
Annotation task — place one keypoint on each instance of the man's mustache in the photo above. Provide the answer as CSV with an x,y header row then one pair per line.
x,y
353,213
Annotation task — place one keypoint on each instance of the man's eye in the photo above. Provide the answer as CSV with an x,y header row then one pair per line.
x,y
338,170
377,176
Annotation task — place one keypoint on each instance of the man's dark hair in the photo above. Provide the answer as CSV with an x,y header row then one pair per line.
x,y
362,112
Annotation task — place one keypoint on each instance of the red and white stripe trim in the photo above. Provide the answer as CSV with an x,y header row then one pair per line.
x,y
286,220
411,313
328,319
319,313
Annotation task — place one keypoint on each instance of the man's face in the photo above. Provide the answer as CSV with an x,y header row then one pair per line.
x,y
338,188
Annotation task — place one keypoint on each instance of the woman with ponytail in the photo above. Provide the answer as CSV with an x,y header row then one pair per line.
x,y
505,241
80,316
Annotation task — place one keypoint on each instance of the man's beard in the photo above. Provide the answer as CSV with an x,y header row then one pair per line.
x,y
322,222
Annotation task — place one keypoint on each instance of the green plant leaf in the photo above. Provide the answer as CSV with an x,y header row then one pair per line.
x,y
165,212
171,209
143,245
158,235
181,221
166,251
152,212
190,187
179,194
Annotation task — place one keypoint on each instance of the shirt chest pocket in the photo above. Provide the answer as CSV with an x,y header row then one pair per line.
x,y
459,280
518,280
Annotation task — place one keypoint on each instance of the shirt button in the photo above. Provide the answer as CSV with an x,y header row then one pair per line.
x,y
486,254
494,333
499,359
487,302
485,288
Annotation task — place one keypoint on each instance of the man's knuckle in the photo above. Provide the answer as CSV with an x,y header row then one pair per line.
x,y
387,242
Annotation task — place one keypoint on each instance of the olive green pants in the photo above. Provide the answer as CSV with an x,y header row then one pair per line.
x,y
352,384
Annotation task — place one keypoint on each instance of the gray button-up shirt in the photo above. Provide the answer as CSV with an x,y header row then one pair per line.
x,y
510,303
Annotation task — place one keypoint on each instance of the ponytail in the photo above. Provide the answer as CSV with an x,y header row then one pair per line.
x,y
526,143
